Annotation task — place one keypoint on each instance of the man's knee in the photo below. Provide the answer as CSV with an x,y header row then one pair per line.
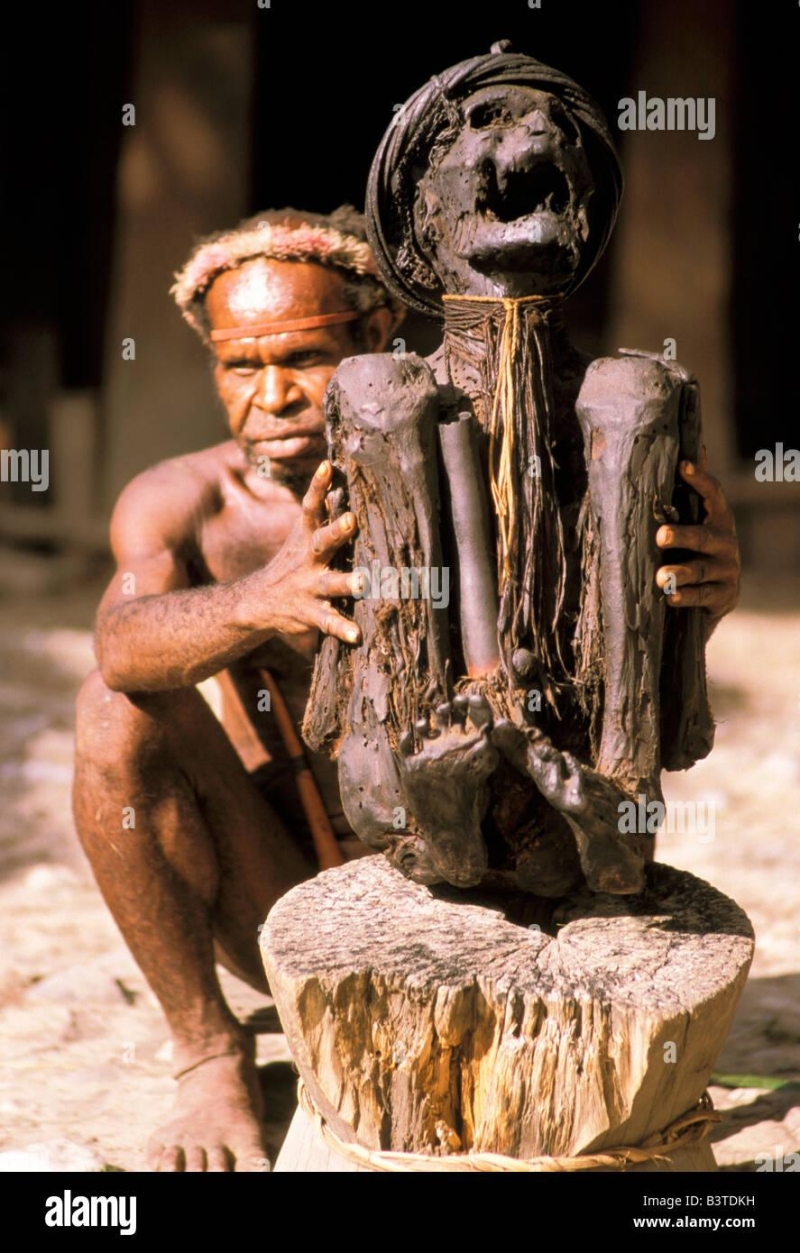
x,y
97,710
109,727
148,734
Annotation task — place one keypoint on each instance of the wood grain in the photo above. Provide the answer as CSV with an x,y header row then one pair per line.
x,y
422,1023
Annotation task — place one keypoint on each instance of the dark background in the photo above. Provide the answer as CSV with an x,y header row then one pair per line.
x,y
321,81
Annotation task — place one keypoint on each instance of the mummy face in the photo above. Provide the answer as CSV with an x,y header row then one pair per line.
x,y
502,209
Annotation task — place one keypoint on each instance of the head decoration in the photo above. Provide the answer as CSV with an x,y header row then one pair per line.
x,y
283,235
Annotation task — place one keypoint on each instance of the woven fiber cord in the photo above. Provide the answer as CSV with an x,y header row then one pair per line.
x,y
510,337
690,1128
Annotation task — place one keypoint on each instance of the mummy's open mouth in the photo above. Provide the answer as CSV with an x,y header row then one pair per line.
x,y
542,189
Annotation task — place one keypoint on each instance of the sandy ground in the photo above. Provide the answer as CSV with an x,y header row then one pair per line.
x,y
85,1066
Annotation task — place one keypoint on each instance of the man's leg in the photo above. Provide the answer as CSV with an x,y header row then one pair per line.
x,y
187,854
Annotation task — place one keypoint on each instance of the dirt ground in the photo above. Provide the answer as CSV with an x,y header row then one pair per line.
x,y
85,1064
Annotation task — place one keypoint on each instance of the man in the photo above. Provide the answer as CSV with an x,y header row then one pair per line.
x,y
193,833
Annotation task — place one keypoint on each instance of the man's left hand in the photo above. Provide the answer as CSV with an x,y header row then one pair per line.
x,y
712,579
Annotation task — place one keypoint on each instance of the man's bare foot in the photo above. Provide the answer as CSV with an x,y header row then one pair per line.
x,y
446,784
217,1126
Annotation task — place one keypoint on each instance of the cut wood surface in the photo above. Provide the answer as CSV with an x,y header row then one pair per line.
x,y
423,1022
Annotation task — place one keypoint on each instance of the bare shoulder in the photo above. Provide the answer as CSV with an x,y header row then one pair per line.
x,y
164,506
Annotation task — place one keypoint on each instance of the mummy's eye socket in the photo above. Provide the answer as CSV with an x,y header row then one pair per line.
x,y
489,113
565,124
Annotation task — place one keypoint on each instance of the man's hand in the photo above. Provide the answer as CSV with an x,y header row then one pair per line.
x,y
712,580
157,632
297,582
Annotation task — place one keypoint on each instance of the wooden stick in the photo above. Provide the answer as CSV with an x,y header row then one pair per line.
x,y
326,844
257,754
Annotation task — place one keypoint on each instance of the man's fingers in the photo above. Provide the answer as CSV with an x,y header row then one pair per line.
x,y
333,583
314,499
712,571
712,581
710,489
678,576
712,596
326,539
699,539
332,623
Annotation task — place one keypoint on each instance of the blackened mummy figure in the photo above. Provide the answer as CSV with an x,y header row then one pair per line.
x,y
495,735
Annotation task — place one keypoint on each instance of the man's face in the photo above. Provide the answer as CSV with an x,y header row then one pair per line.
x,y
272,387
503,211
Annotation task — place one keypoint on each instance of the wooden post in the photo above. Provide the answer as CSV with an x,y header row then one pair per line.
x,y
426,1023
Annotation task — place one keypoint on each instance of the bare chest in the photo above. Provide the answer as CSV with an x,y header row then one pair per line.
x,y
241,538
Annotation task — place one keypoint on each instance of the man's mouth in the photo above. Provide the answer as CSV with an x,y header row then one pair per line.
x,y
292,444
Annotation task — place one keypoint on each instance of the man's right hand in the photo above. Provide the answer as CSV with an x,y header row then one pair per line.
x,y
298,584
157,632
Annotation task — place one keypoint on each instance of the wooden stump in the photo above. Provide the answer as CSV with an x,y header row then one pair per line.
x,y
423,1022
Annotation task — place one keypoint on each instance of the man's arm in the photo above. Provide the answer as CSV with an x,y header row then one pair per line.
x,y
155,632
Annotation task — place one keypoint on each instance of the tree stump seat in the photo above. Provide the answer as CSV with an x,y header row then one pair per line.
x,y
446,1024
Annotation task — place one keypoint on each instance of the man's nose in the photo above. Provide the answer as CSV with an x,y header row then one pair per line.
x,y
278,389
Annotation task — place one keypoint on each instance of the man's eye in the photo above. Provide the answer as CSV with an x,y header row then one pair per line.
x,y
241,368
302,360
